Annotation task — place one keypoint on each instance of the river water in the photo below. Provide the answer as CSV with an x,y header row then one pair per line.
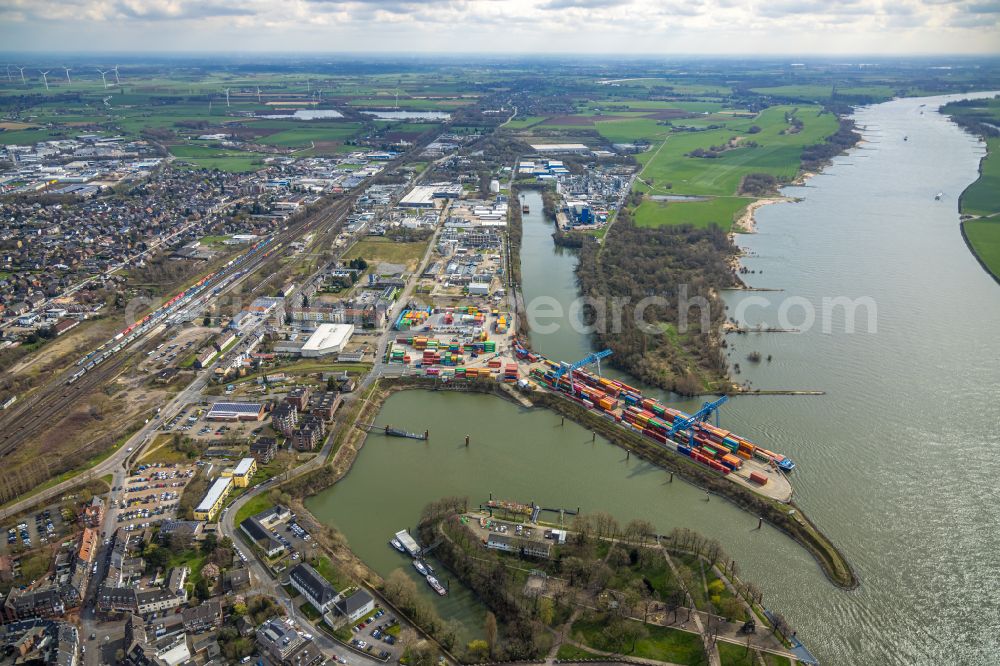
x,y
897,462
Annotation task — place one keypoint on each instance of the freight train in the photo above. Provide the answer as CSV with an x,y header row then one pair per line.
x,y
129,334
703,442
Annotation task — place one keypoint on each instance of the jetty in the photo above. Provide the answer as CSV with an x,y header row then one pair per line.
x,y
389,431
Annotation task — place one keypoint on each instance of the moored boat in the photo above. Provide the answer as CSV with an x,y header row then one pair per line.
x,y
438,587
397,545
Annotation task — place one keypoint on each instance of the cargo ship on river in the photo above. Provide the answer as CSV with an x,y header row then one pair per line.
x,y
721,450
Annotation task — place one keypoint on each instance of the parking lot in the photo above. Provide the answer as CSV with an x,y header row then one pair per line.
x,y
191,422
297,541
46,526
151,494
377,635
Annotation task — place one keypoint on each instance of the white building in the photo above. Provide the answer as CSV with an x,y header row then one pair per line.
x,y
328,339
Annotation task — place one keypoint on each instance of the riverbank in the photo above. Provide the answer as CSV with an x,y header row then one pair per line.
x,y
745,223
788,518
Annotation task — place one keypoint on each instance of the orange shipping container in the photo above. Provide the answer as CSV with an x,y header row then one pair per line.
x,y
730,458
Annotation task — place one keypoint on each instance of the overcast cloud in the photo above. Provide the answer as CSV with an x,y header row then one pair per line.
x,y
505,26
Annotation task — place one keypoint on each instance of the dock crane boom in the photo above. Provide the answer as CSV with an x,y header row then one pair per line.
x,y
587,360
701,415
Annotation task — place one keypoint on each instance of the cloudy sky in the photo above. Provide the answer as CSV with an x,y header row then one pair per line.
x,y
505,26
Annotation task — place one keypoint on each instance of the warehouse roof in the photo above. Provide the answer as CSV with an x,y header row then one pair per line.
x,y
328,336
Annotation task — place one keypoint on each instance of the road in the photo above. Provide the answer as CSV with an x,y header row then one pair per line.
x,y
271,586
121,460
227,520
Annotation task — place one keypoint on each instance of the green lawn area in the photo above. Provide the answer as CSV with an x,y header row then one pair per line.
x,y
984,236
310,612
374,250
720,211
573,652
214,240
662,643
735,655
732,654
253,506
325,567
983,196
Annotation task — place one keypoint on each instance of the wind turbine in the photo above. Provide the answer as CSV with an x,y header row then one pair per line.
x,y
44,79
103,78
9,79
117,80
68,80
397,98
23,82
258,95
227,98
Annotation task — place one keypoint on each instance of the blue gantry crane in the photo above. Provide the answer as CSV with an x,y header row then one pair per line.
x,y
701,415
587,360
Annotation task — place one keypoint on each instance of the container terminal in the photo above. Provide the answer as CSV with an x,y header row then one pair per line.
x,y
454,343
733,456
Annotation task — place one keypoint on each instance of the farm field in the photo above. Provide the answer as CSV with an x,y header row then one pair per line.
x,y
983,196
667,168
984,236
720,211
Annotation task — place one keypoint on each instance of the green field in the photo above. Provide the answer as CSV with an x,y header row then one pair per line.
x,y
983,196
206,157
669,169
374,250
720,211
984,236
304,136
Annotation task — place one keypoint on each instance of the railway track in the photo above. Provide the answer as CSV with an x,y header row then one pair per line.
x,y
52,402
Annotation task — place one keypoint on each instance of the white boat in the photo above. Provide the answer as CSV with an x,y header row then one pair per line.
x,y
397,545
937,197
438,587
419,566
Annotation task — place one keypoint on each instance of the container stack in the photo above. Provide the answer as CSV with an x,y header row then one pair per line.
x,y
510,373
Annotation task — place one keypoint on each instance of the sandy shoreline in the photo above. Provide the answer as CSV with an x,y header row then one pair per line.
x,y
745,223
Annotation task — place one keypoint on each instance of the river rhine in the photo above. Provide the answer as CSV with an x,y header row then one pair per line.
x,y
897,462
